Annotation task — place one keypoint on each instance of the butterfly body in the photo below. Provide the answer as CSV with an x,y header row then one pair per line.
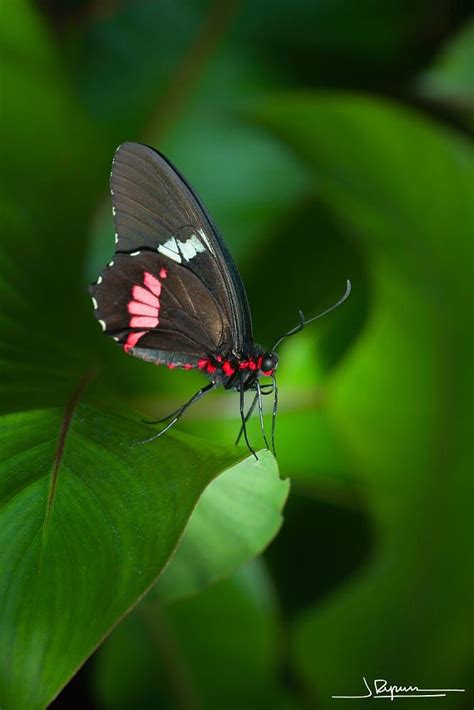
x,y
239,372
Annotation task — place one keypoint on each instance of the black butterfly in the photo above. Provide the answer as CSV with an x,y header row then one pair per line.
x,y
173,295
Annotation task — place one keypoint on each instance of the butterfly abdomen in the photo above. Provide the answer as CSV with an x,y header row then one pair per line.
x,y
236,372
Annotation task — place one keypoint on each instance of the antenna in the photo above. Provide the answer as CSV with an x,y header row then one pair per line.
x,y
303,322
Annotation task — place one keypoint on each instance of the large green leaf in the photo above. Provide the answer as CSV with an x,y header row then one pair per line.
x,y
88,520
402,405
235,519
217,649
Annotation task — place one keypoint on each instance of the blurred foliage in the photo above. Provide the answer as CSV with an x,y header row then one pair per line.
x,y
329,140
214,670
449,80
415,353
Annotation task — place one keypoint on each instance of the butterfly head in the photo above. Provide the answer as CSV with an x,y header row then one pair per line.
x,y
268,363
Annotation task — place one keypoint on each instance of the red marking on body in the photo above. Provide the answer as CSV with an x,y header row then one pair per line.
x,y
267,372
227,368
152,283
143,322
141,309
259,362
163,273
249,364
133,339
205,364
144,296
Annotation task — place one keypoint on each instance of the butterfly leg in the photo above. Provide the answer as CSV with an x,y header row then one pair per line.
x,y
163,419
247,417
252,407
274,413
260,413
242,417
179,412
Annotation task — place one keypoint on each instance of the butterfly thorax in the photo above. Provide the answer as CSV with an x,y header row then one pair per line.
x,y
239,372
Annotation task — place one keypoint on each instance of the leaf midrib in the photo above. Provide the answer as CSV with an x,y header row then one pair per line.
x,y
58,456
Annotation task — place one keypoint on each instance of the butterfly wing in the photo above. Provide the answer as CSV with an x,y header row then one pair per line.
x,y
155,312
172,293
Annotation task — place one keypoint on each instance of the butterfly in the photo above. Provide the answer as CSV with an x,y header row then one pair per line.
x,y
172,294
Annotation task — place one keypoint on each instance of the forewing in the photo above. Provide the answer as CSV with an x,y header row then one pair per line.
x,y
155,209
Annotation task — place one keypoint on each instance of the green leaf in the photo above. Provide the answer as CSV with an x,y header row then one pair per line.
x,y
450,77
88,519
217,649
234,520
402,404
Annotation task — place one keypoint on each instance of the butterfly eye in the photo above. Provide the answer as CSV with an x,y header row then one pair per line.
x,y
269,362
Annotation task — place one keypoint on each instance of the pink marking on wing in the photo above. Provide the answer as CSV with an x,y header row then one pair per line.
x,y
203,363
152,283
133,339
141,309
142,294
187,366
243,365
163,273
143,322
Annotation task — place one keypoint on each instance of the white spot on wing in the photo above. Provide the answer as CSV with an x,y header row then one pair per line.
x,y
171,250
94,303
177,250
202,233
99,281
116,237
134,253
102,324
111,263
191,247
113,211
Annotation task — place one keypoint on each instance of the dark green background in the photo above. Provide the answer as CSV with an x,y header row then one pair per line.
x,y
329,139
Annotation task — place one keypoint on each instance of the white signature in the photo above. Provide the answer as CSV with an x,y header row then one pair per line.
x,y
382,689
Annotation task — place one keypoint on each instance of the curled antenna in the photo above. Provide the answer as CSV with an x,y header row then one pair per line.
x,y
303,322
